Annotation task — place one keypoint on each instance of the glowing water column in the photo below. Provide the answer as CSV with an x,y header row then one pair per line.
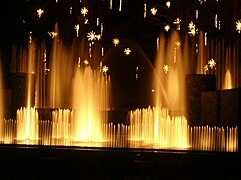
x,y
90,104
27,125
155,128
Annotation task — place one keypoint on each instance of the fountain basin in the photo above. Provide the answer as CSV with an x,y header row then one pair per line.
x,y
118,163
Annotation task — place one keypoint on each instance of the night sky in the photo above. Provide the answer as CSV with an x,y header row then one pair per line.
x,y
19,18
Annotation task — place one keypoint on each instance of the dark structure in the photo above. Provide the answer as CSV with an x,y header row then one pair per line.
x,y
195,85
210,108
221,107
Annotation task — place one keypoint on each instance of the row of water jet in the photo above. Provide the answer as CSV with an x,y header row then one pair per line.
x,y
154,127
157,131
208,138
27,126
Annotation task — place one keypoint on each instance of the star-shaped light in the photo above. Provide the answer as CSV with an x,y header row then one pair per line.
x,y
40,12
177,44
192,29
105,69
76,27
165,68
153,11
211,63
167,27
91,36
191,25
238,26
115,41
178,23
127,51
84,11
53,34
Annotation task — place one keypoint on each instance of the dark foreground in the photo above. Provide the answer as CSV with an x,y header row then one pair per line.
x,y
38,162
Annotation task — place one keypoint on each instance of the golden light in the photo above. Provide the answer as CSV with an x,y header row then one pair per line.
x,y
30,37
238,26
153,11
178,44
127,51
120,5
76,27
91,36
144,10
105,69
52,34
84,11
40,12
168,4
192,29
86,21
167,27
86,62
115,41
165,68
178,23
211,63
191,25
98,37
205,68
70,10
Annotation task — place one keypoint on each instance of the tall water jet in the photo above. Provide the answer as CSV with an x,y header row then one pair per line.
x,y
160,95
169,77
228,80
90,104
61,72
1,105
201,57
27,116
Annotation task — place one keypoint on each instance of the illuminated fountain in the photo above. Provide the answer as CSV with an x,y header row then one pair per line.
x,y
82,119
77,92
154,128
171,130
80,104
